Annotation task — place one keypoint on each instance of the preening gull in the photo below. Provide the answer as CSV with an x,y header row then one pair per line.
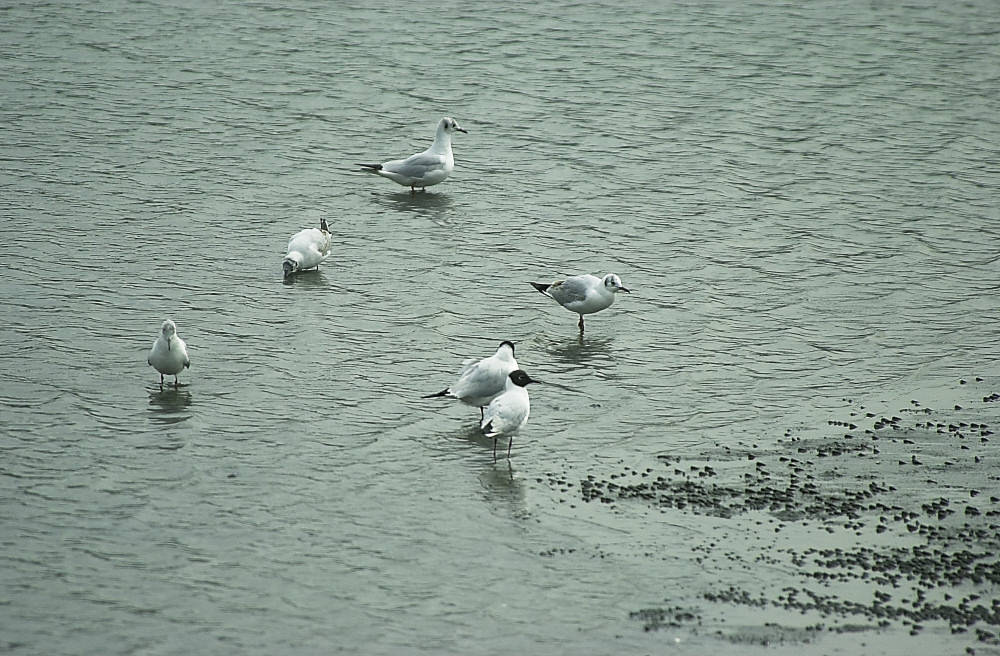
x,y
307,249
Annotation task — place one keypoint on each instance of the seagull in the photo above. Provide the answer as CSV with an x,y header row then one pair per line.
x,y
584,294
480,382
509,411
307,249
169,354
430,167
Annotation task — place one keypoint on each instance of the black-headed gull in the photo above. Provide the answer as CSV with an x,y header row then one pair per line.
x,y
584,294
425,169
169,354
307,249
509,411
481,381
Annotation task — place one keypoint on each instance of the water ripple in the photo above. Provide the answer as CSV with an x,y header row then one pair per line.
x,y
802,199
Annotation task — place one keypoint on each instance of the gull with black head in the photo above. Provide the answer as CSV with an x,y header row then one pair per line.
x,y
508,412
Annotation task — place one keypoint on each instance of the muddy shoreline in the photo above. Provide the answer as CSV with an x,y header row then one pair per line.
x,y
880,522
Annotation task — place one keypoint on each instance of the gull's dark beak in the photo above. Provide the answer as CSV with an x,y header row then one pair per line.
x,y
462,130
625,289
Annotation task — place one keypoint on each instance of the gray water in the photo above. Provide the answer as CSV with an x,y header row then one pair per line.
x,y
802,198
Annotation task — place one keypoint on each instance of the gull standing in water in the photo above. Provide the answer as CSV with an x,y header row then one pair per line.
x,y
480,382
307,249
508,412
430,167
169,354
584,294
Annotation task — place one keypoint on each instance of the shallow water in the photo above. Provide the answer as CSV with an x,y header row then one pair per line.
x,y
801,198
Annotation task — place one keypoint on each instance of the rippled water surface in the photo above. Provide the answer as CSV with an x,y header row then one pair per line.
x,y
801,197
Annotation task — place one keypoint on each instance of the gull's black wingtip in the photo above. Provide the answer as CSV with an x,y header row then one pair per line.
x,y
540,286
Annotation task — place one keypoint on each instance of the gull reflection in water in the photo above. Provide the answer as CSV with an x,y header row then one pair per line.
x,y
310,278
169,405
503,489
582,350
428,204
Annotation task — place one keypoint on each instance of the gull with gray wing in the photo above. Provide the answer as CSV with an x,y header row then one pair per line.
x,y
431,167
481,381
584,294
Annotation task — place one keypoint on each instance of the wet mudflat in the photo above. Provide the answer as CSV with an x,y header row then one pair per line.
x,y
886,521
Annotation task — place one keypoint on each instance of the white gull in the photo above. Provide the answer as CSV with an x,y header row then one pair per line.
x,y
307,249
169,354
481,381
425,169
508,412
584,294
